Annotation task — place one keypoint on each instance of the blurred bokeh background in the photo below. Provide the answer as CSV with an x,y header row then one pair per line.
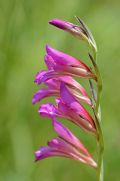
x,y
24,31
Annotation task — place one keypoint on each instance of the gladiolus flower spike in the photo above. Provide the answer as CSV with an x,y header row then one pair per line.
x,y
70,97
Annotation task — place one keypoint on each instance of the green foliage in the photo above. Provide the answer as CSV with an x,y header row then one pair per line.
x,y
24,31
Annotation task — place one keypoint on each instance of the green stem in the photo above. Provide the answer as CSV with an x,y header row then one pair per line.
x,y
100,140
91,42
99,90
100,153
97,113
100,144
99,81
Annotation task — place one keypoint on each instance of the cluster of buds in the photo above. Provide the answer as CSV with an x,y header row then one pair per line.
x,y
70,97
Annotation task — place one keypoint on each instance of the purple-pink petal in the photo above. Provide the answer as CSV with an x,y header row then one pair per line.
x,y
55,82
43,93
59,147
65,63
53,88
67,135
59,82
46,75
59,150
64,59
68,80
70,100
49,62
61,24
70,150
70,114
48,110
39,75
69,27
64,111
45,152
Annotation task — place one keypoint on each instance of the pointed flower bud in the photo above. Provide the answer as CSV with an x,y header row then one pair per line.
x,y
69,27
81,32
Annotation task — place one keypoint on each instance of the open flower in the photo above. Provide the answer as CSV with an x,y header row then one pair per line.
x,y
53,89
59,64
66,145
60,69
70,96
66,64
71,110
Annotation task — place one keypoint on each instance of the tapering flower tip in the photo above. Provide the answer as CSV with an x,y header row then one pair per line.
x,y
61,24
39,153
71,28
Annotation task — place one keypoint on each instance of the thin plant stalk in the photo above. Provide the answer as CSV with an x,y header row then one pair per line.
x,y
97,114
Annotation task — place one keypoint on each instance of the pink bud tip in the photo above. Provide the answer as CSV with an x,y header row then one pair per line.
x,y
61,24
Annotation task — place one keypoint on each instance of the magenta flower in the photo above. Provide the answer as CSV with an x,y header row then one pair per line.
x,y
81,32
66,145
65,25
59,64
68,107
53,89
70,97
69,27
60,67
66,64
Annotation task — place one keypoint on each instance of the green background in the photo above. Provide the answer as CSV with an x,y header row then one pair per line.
x,y
24,31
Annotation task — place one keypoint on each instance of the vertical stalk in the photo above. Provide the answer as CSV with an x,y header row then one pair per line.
x,y
100,143
91,42
100,138
97,112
